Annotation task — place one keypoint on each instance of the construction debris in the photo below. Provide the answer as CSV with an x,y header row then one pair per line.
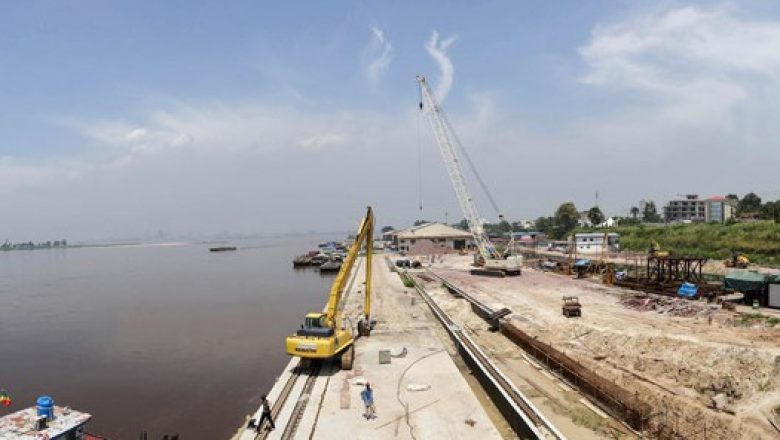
x,y
665,305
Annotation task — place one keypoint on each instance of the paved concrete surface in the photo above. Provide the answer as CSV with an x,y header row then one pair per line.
x,y
334,410
449,409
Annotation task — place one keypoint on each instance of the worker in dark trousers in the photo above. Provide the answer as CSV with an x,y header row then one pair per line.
x,y
266,414
368,400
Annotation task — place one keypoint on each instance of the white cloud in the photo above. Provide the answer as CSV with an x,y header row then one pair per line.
x,y
438,51
379,54
696,64
320,141
208,168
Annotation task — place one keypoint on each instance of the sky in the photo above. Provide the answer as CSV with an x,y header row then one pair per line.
x,y
124,119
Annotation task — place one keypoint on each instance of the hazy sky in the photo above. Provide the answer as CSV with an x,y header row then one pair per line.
x,y
120,119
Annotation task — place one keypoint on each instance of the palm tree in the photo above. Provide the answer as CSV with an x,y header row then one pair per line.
x,y
634,212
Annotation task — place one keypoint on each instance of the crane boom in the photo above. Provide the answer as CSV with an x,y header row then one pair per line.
x,y
445,137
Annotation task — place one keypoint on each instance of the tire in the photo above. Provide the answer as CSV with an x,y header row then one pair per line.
x,y
347,358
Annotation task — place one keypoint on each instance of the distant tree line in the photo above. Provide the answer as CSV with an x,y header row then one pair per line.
x,y
751,206
8,246
567,218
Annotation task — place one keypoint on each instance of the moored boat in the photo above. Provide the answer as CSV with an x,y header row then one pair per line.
x,y
330,266
223,248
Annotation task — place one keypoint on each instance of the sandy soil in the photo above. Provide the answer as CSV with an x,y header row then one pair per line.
x,y
562,405
678,364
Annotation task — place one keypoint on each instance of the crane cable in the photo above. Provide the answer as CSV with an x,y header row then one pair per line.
x,y
419,160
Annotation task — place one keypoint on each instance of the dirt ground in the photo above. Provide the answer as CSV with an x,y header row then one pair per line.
x,y
678,364
563,406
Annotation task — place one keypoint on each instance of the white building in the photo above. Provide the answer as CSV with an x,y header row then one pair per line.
x,y
438,234
592,242
608,223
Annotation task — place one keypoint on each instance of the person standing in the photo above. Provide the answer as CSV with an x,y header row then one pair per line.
x,y
266,415
368,400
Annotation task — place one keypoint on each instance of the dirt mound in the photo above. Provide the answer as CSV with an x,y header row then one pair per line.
x,y
708,370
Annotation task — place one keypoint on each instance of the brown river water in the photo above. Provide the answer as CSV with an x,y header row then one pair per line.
x,y
163,339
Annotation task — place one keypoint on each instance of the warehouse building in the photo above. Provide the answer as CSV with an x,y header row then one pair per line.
x,y
441,236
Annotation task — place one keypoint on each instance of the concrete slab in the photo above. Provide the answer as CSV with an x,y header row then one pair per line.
x,y
448,409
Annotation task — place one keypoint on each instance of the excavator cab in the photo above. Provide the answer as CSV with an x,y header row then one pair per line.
x,y
315,325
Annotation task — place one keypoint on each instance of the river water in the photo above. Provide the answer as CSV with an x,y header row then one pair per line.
x,y
158,338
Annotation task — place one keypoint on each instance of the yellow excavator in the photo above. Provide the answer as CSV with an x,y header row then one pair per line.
x,y
323,335
738,260
655,250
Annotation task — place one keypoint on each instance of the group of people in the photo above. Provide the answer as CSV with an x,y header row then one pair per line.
x,y
367,395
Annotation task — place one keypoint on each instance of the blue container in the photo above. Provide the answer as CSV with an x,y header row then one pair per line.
x,y
688,290
46,407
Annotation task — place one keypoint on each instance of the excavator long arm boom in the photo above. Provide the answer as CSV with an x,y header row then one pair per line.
x,y
365,236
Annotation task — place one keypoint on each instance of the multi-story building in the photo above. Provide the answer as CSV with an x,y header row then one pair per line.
x,y
719,209
689,209
694,209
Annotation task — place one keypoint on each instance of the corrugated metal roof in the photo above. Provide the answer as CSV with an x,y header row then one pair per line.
x,y
433,230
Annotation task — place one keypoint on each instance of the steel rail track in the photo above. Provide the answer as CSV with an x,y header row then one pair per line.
x,y
303,400
313,369
521,414
262,430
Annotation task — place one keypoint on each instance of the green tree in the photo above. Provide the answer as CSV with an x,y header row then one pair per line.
x,y
770,211
750,203
565,220
650,213
629,221
420,222
733,197
463,224
387,229
544,225
595,216
634,212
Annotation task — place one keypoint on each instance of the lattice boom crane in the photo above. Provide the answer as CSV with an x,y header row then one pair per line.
x,y
446,139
